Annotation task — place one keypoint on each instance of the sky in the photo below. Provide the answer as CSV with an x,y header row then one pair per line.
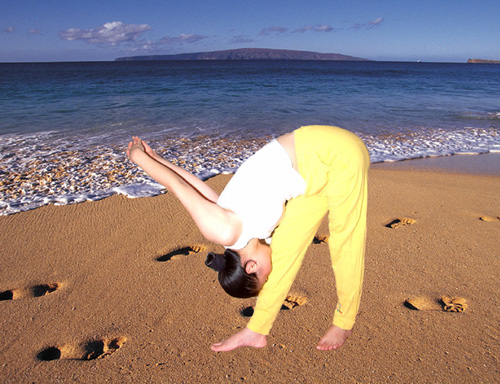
x,y
389,30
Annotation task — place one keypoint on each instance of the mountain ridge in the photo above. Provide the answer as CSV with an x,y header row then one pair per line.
x,y
482,61
247,54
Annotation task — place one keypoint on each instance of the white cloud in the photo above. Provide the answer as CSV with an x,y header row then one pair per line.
x,y
377,21
273,30
304,29
112,33
323,28
116,33
374,23
34,31
241,40
9,30
369,25
317,28
150,45
181,39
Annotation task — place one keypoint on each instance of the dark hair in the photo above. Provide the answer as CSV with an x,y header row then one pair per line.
x,y
232,276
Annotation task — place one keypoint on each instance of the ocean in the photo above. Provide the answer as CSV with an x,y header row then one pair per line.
x,y
64,126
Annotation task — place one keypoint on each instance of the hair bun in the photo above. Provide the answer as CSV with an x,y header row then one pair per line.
x,y
215,261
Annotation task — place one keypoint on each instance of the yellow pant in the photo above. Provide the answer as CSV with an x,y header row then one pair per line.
x,y
334,164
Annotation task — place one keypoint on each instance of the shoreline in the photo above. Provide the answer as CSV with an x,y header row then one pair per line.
x,y
124,280
25,187
476,164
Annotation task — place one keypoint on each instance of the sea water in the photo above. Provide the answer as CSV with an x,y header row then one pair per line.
x,y
64,127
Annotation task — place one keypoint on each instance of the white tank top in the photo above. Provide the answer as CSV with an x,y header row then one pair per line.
x,y
258,191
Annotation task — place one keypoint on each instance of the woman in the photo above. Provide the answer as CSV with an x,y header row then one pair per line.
x,y
314,170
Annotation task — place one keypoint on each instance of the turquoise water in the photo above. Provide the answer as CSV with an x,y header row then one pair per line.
x,y
63,119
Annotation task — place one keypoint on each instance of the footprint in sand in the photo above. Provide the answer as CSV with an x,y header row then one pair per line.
x,y
91,350
490,218
399,223
181,253
445,303
35,291
290,302
321,239
293,301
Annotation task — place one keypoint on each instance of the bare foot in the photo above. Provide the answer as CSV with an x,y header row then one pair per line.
x,y
244,338
334,338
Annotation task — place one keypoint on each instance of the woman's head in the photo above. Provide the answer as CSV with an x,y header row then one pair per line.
x,y
242,273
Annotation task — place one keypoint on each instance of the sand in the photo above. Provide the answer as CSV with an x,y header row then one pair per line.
x,y
117,291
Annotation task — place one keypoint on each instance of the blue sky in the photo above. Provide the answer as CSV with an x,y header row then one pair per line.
x,y
403,30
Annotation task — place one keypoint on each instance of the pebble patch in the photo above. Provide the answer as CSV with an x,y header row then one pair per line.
x,y
35,172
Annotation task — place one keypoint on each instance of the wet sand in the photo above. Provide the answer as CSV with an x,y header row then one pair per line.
x,y
117,291
484,164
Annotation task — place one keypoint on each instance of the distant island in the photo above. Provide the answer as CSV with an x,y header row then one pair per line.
x,y
248,54
482,61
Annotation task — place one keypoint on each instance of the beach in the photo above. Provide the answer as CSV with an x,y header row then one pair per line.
x,y
117,291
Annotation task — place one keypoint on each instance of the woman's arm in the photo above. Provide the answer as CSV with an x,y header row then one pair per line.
x,y
198,184
215,223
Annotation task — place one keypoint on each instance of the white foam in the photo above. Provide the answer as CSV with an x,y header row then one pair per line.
x,y
96,172
140,189
433,143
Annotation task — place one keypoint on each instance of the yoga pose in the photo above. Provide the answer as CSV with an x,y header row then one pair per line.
x,y
313,170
